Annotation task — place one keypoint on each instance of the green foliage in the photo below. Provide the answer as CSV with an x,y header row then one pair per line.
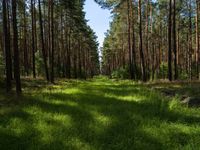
x,y
163,70
121,73
2,65
39,65
183,75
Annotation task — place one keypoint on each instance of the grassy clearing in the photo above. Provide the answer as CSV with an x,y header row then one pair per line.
x,y
99,114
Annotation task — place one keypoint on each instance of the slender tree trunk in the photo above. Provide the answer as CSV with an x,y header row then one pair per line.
x,y
79,59
16,50
134,66
42,41
169,40
33,36
62,61
190,39
9,36
178,47
141,43
25,42
75,64
52,42
197,39
174,44
69,54
129,40
147,35
48,36
151,42
7,48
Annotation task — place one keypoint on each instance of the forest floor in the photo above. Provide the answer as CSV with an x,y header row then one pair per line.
x,y
99,114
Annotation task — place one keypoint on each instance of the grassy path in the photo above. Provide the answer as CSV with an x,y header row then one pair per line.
x,y
97,115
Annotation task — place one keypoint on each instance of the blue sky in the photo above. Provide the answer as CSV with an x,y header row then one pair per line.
x,y
98,19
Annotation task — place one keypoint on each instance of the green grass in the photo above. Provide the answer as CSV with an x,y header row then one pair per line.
x,y
98,114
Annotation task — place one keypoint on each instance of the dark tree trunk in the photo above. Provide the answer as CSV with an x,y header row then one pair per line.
x,y
16,50
79,60
33,36
174,44
134,66
52,42
147,36
129,40
197,39
7,48
169,40
141,43
9,37
69,55
190,39
25,42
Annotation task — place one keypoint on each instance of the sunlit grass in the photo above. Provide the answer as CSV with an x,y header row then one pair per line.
x,y
98,114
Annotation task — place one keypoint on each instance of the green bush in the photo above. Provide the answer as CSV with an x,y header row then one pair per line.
x,y
183,75
121,73
163,70
39,63
2,65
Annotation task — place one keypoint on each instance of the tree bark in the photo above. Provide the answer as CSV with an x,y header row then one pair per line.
x,y
147,36
141,43
190,39
169,43
174,44
52,41
197,39
7,48
25,42
33,36
134,66
129,40
15,46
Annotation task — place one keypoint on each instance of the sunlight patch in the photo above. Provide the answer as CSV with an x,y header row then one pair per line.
x,y
102,119
165,131
45,130
53,126
62,119
17,125
73,91
72,103
33,110
80,145
135,98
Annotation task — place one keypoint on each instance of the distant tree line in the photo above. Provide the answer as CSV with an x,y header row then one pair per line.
x,y
47,38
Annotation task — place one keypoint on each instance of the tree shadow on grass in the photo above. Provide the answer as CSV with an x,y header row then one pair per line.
x,y
94,118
